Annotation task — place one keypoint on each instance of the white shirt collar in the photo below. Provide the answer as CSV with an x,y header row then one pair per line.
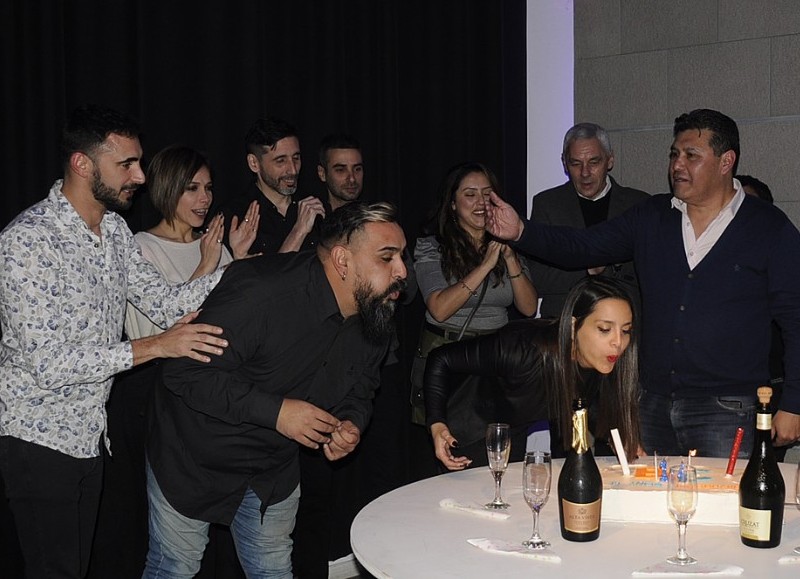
x,y
697,248
600,195
732,206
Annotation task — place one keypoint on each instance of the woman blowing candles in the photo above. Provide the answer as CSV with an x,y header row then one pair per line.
x,y
541,366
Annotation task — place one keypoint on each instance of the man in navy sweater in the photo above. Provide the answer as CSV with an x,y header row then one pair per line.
x,y
715,266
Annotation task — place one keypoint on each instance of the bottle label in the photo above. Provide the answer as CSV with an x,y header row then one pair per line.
x,y
581,518
763,421
754,524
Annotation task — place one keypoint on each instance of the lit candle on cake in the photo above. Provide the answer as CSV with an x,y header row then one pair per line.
x,y
692,452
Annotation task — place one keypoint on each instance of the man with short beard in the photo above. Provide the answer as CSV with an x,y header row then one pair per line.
x,y
69,263
307,333
287,222
341,168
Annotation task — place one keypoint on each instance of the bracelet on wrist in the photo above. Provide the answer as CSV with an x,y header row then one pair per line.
x,y
515,276
469,289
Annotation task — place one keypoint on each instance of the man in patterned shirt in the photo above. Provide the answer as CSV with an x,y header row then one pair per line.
x,y
69,263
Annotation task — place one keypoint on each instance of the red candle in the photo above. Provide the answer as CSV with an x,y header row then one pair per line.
x,y
737,442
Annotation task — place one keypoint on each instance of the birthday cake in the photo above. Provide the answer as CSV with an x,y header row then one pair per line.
x,y
642,496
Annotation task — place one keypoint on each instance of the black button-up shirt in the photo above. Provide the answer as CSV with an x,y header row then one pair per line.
x,y
273,227
212,430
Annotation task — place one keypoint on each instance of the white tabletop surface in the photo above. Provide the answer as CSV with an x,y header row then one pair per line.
x,y
405,534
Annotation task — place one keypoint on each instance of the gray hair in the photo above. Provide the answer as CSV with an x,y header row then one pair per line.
x,y
587,131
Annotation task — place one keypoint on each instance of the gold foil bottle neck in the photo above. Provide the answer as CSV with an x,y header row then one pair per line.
x,y
580,431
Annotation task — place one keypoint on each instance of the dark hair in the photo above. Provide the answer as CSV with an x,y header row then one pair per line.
x,y
336,141
169,173
761,188
618,406
340,225
725,133
459,255
265,134
587,131
88,127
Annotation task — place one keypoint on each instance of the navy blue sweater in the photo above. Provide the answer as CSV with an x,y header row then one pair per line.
x,y
704,332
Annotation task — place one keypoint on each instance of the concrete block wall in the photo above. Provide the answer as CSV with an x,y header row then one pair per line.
x,y
641,63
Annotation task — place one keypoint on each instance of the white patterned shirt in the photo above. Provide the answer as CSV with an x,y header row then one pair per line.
x,y
63,291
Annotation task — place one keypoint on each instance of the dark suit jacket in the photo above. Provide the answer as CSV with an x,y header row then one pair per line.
x,y
560,206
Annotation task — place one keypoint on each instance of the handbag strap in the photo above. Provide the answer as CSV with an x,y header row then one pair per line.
x,y
472,313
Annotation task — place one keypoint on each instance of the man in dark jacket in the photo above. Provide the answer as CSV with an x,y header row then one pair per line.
x,y
590,196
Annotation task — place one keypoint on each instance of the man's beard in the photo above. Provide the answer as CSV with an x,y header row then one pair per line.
x,y
111,199
277,184
344,196
377,312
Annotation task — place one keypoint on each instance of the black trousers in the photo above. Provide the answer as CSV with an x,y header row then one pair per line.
x,y
54,499
120,544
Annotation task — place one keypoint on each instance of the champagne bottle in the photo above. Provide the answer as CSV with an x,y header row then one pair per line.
x,y
761,490
580,487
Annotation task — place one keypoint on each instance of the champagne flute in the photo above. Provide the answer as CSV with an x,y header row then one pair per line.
x,y
797,498
498,449
536,475
682,502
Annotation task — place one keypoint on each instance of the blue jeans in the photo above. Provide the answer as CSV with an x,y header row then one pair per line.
x,y
674,426
177,542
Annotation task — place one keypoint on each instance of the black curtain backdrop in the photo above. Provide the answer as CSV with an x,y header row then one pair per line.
x,y
423,84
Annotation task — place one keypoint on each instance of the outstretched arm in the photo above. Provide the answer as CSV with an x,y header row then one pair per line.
x,y
502,219
182,339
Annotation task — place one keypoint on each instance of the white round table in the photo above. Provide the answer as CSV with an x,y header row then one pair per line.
x,y
406,534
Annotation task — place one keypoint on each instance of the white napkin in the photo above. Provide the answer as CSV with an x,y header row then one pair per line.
x,y
665,569
518,549
789,559
473,509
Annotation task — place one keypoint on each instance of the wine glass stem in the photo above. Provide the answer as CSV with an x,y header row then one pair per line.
x,y
535,524
498,476
682,541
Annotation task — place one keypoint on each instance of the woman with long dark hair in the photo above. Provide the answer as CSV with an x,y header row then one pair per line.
x,y
467,279
453,264
541,366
